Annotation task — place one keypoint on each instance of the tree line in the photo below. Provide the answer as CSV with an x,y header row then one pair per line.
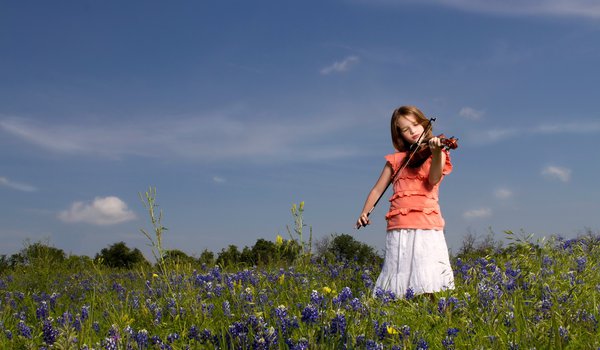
x,y
264,252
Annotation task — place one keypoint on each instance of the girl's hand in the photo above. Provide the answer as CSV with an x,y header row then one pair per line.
x,y
435,144
363,220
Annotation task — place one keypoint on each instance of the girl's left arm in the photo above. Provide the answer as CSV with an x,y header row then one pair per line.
x,y
438,159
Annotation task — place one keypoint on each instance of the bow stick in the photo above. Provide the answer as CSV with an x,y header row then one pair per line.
x,y
399,171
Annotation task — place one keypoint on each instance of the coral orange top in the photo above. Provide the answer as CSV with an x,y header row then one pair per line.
x,y
414,203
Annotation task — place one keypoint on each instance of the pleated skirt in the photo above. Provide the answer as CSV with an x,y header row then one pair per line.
x,y
416,259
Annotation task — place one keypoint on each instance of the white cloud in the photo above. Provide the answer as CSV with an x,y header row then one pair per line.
x,y
574,8
503,193
583,127
221,136
101,211
477,213
470,113
563,174
16,185
342,66
219,179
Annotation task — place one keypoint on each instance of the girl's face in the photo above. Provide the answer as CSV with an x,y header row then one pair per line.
x,y
409,128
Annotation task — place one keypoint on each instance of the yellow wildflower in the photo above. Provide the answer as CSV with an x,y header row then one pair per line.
x,y
326,290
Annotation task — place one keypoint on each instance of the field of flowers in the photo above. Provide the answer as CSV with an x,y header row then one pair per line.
x,y
527,295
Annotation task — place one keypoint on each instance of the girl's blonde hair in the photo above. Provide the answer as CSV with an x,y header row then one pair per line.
x,y
399,143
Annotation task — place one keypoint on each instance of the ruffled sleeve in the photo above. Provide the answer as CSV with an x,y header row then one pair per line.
x,y
395,160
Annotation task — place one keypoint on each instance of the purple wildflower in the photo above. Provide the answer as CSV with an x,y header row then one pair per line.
x,y
42,312
141,338
338,325
85,312
24,330
226,308
310,314
49,333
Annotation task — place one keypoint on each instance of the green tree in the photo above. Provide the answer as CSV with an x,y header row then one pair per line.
x,y
119,255
37,254
345,247
229,256
176,256
207,257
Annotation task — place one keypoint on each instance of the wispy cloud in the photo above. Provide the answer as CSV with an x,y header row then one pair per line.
x,y
219,180
215,136
16,185
501,134
470,113
101,211
503,193
573,8
556,172
477,213
342,66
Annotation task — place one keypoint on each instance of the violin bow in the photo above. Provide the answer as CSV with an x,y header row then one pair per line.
x,y
399,171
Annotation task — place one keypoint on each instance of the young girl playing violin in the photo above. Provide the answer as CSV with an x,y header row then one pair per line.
x,y
416,254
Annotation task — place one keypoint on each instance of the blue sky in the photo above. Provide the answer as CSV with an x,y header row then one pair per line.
x,y
235,110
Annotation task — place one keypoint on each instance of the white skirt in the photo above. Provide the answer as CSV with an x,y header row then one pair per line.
x,y
415,259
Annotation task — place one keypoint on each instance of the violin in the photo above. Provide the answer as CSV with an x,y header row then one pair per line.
x,y
421,151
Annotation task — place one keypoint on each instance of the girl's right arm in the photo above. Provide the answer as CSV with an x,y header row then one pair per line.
x,y
380,186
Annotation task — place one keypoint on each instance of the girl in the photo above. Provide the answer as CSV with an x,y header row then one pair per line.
x,y
416,254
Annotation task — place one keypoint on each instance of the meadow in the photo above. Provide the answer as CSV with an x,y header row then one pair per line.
x,y
522,295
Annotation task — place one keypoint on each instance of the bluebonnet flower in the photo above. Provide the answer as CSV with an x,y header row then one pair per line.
x,y
367,280
310,314
155,340
301,344
113,332
338,325
344,295
193,333
77,323
42,312
226,308
410,294
172,337
356,305
8,334
141,338
581,261
157,316
65,318
422,344
24,329
384,295
238,330
53,298
316,298
85,312
381,330
96,327
442,305
49,333
109,343
373,345
208,309
563,332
